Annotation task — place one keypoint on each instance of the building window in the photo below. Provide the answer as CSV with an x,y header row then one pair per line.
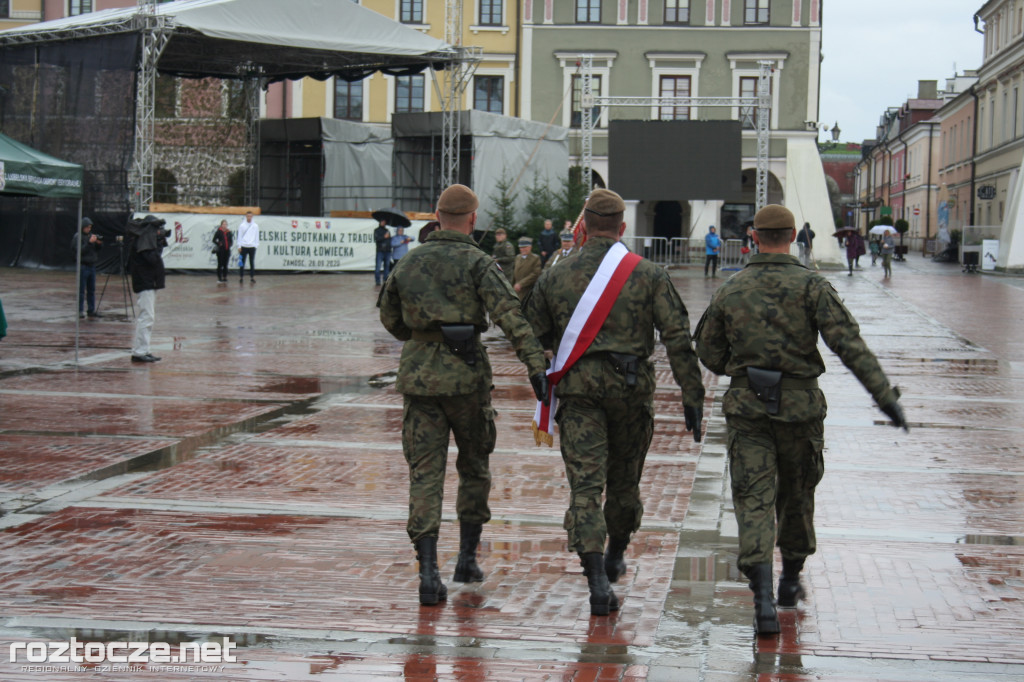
x,y
411,12
588,11
489,94
674,86
677,11
5,8
576,117
755,12
76,7
408,93
748,88
491,12
348,100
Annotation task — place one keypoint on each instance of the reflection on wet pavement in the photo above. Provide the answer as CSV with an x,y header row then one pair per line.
x,y
252,485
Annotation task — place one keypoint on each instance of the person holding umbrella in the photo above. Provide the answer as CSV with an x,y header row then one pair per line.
x,y
888,246
382,237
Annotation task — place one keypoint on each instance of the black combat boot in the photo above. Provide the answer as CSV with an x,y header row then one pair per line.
x,y
466,568
602,599
790,589
766,620
614,564
432,590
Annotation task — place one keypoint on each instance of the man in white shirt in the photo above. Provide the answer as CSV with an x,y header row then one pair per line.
x,y
248,240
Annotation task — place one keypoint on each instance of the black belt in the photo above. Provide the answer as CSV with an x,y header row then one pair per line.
x,y
429,336
788,383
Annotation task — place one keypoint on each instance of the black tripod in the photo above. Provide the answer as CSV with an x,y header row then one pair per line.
x,y
122,271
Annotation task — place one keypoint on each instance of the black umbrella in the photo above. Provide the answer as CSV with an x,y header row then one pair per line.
x,y
391,217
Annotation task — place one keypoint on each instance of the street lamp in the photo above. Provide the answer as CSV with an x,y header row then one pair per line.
x,y
835,132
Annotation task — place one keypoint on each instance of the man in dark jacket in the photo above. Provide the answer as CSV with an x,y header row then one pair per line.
x,y
548,242
148,238
382,266
90,245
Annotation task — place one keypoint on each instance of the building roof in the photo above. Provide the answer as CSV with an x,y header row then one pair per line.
x,y
233,38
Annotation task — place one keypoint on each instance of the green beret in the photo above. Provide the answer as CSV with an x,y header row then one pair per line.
x,y
774,217
458,200
604,202
525,241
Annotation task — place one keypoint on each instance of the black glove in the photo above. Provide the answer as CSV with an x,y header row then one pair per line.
x,y
694,416
539,382
894,412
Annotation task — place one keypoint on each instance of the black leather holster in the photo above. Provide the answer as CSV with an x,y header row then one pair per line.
x,y
461,341
767,386
626,365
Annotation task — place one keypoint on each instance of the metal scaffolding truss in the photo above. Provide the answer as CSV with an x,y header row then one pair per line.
x,y
762,102
153,39
453,86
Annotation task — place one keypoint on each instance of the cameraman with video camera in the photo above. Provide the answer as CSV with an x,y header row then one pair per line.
x,y
90,245
147,238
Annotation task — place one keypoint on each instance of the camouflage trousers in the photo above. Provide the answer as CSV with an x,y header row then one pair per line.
x,y
775,467
604,443
426,424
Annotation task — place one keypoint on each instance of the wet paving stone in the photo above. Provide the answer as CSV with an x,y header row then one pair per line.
x,y
315,572
277,516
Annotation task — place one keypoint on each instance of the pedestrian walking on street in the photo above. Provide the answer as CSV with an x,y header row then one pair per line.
x,y
875,249
888,248
438,301
854,249
89,244
382,264
222,249
761,330
605,384
248,241
399,245
147,239
805,242
712,245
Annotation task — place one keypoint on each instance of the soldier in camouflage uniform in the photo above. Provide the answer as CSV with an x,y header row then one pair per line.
x,y
504,253
437,301
606,400
768,317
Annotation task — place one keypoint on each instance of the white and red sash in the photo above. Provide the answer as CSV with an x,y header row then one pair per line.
x,y
586,321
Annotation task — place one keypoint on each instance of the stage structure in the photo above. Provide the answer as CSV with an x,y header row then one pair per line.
x,y
492,146
120,51
762,102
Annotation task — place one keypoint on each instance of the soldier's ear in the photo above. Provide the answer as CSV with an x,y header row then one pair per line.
x,y
622,228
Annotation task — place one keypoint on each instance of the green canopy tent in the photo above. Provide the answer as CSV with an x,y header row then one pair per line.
x,y
28,171
25,171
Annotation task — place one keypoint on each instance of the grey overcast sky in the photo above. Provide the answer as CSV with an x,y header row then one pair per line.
x,y
875,52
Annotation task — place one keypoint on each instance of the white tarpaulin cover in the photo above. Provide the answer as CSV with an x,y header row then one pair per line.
x,y
502,147
357,165
286,243
291,39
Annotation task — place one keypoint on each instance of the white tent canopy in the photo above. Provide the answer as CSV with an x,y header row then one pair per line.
x,y
231,38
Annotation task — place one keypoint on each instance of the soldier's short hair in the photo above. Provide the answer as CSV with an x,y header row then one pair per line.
x,y
500,230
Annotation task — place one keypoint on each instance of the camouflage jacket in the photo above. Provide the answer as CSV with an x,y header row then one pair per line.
x,y
648,301
505,253
769,315
450,280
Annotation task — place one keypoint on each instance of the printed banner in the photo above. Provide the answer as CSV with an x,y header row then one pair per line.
x,y
318,244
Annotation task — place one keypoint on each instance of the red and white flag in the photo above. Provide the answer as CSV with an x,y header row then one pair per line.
x,y
586,321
